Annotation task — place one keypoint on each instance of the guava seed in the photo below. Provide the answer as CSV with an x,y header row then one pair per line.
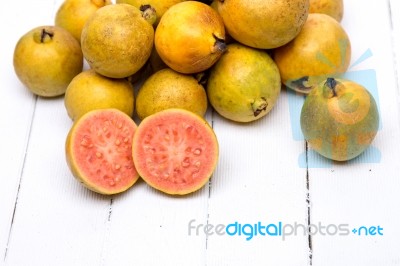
x,y
197,151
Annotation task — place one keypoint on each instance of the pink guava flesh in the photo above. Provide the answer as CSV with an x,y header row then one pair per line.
x,y
175,151
102,151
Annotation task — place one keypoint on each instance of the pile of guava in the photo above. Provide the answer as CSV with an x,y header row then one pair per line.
x,y
164,63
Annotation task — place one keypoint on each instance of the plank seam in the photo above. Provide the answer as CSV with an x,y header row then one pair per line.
x,y
394,53
20,180
209,195
107,231
308,201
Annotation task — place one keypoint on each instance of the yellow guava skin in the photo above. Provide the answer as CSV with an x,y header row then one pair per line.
x,y
73,14
244,84
169,89
339,119
190,37
333,8
46,59
90,91
117,41
263,24
321,50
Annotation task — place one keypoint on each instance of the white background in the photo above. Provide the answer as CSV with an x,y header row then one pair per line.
x,y
48,218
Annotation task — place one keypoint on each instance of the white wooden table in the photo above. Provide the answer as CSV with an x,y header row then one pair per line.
x,y
265,174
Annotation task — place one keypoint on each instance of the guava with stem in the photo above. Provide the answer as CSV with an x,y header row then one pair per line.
x,y
46,59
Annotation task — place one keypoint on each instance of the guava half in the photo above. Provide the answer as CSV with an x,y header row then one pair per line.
x,y
175,151
99,151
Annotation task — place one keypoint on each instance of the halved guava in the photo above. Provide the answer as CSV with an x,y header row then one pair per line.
x,y
175,151
99,151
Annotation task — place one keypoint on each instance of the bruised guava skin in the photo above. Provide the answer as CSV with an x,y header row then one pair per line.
x,y
175,151
339,119
190,37
46,59
321,50
333,8
263,24
99,151
117,40
89,91
244,84
73,14
169,89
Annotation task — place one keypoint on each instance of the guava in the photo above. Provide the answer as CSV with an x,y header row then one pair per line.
x,y
339,119
117,40
169,89
333,8
99,151
46,59
89,91
244,84
263,24
73,14
160,6
175,151
190,37
321,50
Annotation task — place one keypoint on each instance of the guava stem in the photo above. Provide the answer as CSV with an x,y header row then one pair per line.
x,y
149,13
202,77
259,105
331,83
220,45
45,35
300,84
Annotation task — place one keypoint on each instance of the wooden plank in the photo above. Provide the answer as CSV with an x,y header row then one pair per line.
x,y
57,221
148,227
17,106
258,180
395,24
363,192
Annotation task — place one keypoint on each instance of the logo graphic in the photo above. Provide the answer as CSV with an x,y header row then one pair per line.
x,y
280,230
312,159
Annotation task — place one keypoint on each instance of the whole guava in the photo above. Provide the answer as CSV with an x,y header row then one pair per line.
x,y
339,119
190,37
73,14
117,40
169,89
263,24
90,91
321,50
244,84
46,59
